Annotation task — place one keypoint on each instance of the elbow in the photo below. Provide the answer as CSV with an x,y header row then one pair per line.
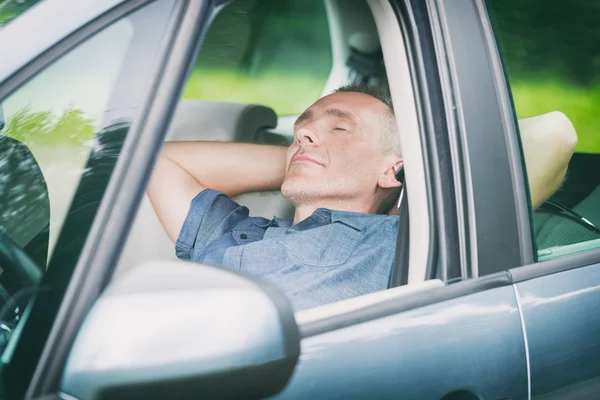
x,y
564,136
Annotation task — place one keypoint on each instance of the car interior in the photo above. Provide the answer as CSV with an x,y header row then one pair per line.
x,y
569,222
357,58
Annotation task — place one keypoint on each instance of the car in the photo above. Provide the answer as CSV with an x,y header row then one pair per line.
x,y
489,299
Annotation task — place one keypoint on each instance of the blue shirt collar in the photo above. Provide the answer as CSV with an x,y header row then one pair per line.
x,y
323,216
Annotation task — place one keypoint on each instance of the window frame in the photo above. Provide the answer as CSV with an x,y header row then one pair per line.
x,y
530,269
117,208
482,104
414,258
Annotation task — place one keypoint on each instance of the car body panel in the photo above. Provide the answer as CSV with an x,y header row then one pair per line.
x,y
474,343
562,333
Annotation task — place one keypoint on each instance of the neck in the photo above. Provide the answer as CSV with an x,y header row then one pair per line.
x,y
304,211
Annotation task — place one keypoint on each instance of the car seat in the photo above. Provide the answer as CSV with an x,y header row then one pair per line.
x,y
214,121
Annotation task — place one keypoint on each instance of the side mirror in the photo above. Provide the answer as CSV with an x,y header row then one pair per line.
x,y
173,329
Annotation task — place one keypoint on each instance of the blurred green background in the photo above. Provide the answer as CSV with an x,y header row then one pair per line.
x,y
271,52
277,53
551,51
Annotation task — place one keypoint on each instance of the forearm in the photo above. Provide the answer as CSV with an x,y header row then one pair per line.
x,y
231,168
184,169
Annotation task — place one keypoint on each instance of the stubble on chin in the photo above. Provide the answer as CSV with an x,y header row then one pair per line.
x,y
295,191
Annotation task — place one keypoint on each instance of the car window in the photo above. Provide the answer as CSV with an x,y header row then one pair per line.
x,y
551,57
11,9
272,52
62,135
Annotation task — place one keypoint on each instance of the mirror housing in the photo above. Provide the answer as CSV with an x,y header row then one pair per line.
x,y
174,329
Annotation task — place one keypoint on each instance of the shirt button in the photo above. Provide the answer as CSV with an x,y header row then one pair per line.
x,y
243,236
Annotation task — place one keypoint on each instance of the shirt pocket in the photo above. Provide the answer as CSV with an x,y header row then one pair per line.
x,y
325,246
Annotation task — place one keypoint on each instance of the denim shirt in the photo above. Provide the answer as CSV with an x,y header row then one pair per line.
x,y
330,256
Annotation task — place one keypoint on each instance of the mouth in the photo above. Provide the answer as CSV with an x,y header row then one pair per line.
x,y
303,158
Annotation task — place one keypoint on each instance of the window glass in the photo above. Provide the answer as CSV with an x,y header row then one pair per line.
x,y
552,60
59,122
274,53
62,135
11,9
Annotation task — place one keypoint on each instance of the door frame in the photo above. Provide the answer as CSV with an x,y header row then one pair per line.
x,y
496,231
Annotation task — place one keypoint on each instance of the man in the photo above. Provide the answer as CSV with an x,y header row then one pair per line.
x,y
339,173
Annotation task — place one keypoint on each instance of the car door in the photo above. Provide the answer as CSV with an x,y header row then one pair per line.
x,y
549,63
85,89
426,340
433,340
438,339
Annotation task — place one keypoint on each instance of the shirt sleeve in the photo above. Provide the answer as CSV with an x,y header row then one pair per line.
x,y
211,215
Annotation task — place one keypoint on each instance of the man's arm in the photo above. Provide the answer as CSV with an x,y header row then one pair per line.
x,y
549,141
184,169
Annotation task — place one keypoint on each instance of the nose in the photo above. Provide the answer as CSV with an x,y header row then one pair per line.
x,y
307,135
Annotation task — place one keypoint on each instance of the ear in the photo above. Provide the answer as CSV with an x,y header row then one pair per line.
x,y
387,179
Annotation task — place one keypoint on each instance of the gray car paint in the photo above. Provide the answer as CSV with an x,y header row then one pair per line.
x,y
563,334
473,343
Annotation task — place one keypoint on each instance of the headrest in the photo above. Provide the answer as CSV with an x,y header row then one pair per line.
x,y
208,120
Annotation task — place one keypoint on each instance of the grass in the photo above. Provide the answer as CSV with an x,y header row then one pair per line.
x,y
581,105
287,94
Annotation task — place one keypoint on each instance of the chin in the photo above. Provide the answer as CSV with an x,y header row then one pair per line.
x,y
298,191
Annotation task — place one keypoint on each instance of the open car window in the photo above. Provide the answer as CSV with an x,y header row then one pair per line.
x,y
552,66
248,106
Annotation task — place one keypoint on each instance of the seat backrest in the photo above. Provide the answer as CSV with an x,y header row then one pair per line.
x,y
215,121
560,231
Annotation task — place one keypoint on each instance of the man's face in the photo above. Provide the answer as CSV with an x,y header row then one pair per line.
x,y
336,154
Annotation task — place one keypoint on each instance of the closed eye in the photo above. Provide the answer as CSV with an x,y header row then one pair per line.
x,y
339,129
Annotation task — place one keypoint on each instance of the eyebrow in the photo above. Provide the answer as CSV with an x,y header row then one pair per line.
x,y
303,117
334,112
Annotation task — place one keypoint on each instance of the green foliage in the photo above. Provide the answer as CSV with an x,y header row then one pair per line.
x,y
581,104
287,93
43,128
271,52
557,38
551,53
10,9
